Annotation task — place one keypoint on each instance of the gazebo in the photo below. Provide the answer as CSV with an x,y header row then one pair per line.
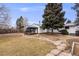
x,y
32,30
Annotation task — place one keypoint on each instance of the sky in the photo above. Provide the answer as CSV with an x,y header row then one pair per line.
x,y
33,11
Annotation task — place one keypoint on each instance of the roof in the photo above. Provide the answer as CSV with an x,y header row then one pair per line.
x,y
70,24
32,28
34,25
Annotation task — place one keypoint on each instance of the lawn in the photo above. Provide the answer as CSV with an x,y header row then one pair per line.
x,y
23,46
59,36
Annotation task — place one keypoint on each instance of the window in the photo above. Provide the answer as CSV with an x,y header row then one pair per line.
x,y
66,27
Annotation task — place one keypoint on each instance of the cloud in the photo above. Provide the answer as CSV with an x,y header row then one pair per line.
x,y
35,8
24,9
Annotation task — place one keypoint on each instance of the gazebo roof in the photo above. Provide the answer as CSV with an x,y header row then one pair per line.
x,y
34,25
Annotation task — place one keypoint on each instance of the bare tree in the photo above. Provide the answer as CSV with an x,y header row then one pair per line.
x,y
4,16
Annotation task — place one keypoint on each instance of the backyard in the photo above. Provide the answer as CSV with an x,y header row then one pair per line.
x,y
18,44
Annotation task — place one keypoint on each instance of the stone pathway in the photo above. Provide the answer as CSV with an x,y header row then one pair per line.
x,y
59,51
64,54
54,52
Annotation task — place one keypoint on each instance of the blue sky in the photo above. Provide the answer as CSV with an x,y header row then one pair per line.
x,y
33,11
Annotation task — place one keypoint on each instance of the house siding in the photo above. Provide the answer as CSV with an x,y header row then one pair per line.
x,y
71,30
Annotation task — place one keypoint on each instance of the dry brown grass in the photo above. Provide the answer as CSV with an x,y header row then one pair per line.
x,y
59,36
22,46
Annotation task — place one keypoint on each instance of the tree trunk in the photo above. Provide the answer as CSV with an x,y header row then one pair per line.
x,y
58,30
52,30
47,30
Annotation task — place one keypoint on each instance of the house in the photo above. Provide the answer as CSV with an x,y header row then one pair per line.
x,y
71,28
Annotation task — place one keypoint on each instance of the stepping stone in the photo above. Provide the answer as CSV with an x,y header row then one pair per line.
x,y
54,52
62,47
65,54
58,42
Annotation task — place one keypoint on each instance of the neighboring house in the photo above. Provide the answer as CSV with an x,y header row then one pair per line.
x,y
71,28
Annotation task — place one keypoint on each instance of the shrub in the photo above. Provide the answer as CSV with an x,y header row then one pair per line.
x,y
4,31
65,32
77,33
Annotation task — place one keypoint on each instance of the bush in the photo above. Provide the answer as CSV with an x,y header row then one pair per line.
x,y
65,32
4,31
77,33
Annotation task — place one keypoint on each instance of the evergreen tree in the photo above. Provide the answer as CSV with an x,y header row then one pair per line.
x,y
53,16
20,24
76,8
